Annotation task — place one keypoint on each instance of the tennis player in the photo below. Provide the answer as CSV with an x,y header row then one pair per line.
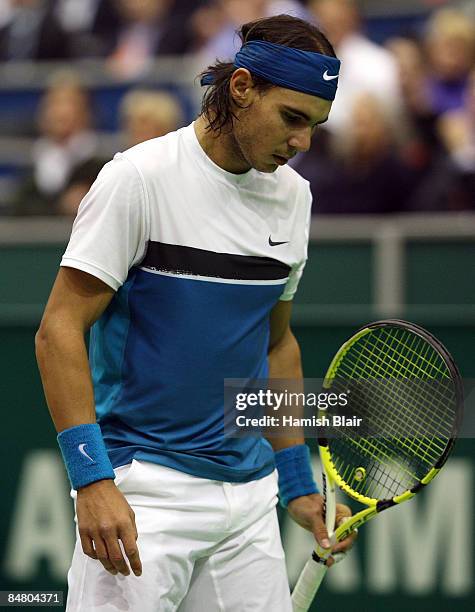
x,y
183,261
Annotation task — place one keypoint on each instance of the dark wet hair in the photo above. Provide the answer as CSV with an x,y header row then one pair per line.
x,y
217,105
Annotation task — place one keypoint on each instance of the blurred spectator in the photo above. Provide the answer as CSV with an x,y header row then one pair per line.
x,y
80,181
366,67
94,26
32,32
66,140
440,182
361,171
144,115
217,23
184,8
423,150
447,183
443,189
206,23
457,129
450,43
5,12
149,114
77,15
413,73
147,28
91,25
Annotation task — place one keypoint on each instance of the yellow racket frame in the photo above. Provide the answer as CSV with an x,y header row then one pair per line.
x,y
373,505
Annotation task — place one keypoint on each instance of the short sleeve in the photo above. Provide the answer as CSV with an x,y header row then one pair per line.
x,y
109,234
301,233
293,282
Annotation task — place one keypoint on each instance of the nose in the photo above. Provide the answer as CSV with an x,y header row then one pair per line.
x,y
300,140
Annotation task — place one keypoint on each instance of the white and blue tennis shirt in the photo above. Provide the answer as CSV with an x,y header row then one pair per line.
x,y
198,257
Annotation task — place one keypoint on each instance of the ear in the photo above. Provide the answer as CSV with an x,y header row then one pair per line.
x,y
242,87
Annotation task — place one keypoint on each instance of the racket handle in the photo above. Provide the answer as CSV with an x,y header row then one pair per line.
x,y
307,585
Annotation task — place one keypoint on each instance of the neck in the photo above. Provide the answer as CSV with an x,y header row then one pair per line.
x,y
222,148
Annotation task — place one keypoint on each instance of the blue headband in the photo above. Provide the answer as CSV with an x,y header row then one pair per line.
x,y
305,71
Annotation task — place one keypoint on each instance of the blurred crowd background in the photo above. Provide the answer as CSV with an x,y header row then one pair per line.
x,y
401,137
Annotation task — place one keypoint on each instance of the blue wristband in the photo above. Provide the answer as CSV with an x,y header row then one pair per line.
x,y
85,454
295,473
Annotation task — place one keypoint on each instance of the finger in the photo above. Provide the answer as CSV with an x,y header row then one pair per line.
x,y
346,544
115,555
103,555
132,518
320,532
87,546
343,513
131,551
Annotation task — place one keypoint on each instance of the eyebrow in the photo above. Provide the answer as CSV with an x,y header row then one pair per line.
x,y
303,115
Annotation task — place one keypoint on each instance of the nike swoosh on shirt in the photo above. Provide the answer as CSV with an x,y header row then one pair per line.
x,y
272,243
83,452
329,77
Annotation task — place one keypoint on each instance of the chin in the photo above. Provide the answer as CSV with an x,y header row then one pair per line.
x,y
268,168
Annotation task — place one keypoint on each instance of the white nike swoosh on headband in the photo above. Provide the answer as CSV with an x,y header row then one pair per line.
x,y
328,77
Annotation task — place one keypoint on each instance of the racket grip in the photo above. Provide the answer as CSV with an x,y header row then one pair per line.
x,y
307,585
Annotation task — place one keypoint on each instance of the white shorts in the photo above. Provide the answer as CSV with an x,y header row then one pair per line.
x,y
205,546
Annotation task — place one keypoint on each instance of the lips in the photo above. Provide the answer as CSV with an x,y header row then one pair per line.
x,y
279,159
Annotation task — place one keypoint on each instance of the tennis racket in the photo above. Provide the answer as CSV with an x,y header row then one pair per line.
x,y
405,386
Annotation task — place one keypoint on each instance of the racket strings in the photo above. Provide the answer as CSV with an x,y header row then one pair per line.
x,y
397,406
383,375
413,373
440,387
432,369
402,388
417,358
369,454
396,477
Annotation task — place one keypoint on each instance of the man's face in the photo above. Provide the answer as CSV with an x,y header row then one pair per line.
x,y
276,125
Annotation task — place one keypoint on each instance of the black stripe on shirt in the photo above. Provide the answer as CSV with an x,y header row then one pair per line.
x,y
178,259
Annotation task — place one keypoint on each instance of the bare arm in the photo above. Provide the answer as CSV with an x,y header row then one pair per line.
x,y
77,300
285,363
284,360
